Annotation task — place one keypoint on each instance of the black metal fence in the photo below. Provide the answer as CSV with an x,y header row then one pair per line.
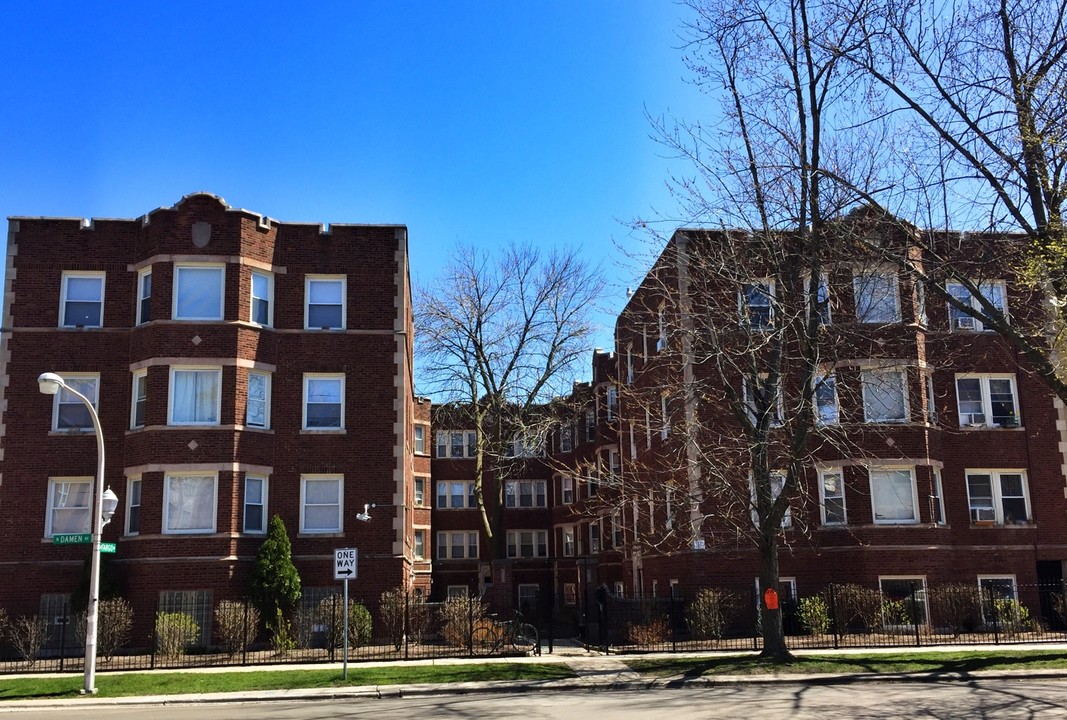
x,y
895,613
189,630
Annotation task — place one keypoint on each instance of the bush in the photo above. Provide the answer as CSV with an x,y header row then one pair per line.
x,y
332,616
114,626
956,606
1012,616
710,612
28,634
395,605
281,634
237,624
459,616
275,582
175,631
652,632
814,614
855,604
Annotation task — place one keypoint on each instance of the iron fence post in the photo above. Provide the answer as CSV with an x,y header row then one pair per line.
x,y
244,636
915,616
833,614
993,615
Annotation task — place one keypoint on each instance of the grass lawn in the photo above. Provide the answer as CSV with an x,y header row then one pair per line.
x,y
932,662
171,683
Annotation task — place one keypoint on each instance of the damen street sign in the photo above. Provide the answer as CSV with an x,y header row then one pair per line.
x,y
72,539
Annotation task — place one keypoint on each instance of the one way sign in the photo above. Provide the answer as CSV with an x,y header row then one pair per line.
x,y
344,563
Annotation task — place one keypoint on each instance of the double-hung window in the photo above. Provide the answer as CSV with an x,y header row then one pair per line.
x,y
527,543
195,396
189,502
525,494
894,497
69,500
568,540
612,402
139,398
993,291
144,296
257,408
827,411
756,305
68,411
821,299
321,503
566,489
877,297
324,401
987,401
262,305
133,505
832,492
763,399
419,491
198,292
884,395
324,308
420,439
456,494
255,505
777,480
82,300
998,497
456,444
457,545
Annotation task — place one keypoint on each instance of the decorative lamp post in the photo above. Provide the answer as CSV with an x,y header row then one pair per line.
x,y
104,504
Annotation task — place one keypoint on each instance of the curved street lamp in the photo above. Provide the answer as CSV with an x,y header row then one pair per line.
x,y
104,504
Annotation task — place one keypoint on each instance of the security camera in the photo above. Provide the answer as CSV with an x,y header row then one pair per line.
x,y
365,515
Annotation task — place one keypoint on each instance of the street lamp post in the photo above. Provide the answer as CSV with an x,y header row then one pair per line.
x,y
104,504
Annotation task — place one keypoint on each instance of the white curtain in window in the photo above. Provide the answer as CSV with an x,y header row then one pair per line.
x,y
322,504
191,503
892,495
257,400
70,507
196,394
199,293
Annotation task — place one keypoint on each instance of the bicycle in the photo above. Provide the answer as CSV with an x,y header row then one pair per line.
x,y
491,635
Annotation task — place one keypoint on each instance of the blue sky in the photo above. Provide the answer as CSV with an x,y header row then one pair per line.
x,y
479,122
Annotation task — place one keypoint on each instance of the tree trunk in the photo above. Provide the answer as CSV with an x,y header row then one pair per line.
x,y
774,649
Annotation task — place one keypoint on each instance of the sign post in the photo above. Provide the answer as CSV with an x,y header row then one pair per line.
x,y
345,561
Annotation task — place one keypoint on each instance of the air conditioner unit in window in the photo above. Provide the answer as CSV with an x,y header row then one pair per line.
x,y
983,515
966,323
974,419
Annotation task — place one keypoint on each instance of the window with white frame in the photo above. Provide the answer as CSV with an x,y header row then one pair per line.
x,y
567,534
255,504
594,536
133,505
525,494
827,410
894,497
920,304
617,539
998,497
884,395
198,292
527,543
566,438
777,485
665,418
419,541
614,464
189,503
68,411
903,600
257,408
993,291
832,497
325,306
194,396
822,298
937,499
661,337
144,296
612,402
566,489
629,365
590,425
877,297
457,545
987,401
668,504
69,502
763,399
324,401
320,503
457,444
931,399
420,439
139,399
82,300
526,444
755,304
261,311
456,494
420,491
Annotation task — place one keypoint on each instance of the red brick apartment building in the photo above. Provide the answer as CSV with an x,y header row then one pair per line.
x,y
241,367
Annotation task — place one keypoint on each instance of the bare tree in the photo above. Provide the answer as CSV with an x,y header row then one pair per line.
x,y
500,336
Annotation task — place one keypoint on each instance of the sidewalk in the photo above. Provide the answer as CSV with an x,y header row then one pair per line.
x,y
593,671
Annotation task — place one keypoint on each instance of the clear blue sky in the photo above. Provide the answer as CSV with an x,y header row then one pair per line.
x,y
480,122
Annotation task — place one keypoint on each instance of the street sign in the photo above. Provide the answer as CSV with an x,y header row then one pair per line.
x,y
344,563
72,539
106,547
